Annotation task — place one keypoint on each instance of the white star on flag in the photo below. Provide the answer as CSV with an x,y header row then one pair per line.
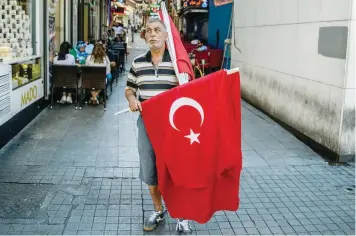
x,y
193,137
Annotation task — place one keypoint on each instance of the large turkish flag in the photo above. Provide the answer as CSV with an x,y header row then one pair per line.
x,y
195,130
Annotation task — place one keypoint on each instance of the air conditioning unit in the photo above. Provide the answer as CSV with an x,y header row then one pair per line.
x,y
5,93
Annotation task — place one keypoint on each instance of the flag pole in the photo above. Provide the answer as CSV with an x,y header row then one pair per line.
x,y
122,111
182,77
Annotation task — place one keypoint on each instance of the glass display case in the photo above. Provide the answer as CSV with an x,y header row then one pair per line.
x,y
26,72
21,62
17,40
16,29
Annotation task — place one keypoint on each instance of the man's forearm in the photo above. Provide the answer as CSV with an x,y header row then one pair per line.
x,y
130,94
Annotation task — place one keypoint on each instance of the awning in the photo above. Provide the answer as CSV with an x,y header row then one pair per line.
x,y
189,10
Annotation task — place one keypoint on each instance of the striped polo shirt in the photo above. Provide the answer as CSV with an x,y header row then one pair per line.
x,y
146,80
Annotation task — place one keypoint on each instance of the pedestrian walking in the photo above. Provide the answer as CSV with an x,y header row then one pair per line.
x,y
132,33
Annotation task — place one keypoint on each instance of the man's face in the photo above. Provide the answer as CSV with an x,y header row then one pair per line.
x,y
155,35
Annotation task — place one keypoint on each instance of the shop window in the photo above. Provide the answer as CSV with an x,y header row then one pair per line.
x,y
16,29
23,73
17,40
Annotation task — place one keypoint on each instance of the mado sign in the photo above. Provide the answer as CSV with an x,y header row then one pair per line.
x,y
24,96
29,95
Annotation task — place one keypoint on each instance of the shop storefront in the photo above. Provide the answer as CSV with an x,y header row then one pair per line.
x,y
31,32
21,61
118,13
195,17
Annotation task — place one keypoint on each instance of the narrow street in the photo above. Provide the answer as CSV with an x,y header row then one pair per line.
x,y
76,172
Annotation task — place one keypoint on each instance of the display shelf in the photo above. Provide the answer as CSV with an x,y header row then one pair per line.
x,y
18,59
23,85
16,39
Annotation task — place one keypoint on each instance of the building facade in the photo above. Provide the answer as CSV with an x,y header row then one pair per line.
x,y
297,63
31,32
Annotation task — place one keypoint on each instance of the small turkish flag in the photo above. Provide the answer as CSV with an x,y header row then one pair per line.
x,y
179,55
195,130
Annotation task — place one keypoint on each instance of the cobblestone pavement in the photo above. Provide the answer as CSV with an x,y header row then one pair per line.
x,y
76,172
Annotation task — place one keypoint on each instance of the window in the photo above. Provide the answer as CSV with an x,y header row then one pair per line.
x,y
18,40
26,72
17,29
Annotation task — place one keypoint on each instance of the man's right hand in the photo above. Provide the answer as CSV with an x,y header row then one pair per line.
x,y
135,104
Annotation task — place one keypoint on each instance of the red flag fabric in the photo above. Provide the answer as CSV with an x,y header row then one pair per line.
x,y
195,131
178,52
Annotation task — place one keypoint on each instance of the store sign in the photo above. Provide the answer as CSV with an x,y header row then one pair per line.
x,y
218,3
24,96
154,8
196,3
29,95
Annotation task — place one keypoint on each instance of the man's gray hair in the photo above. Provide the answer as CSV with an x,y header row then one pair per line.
x,y
156,19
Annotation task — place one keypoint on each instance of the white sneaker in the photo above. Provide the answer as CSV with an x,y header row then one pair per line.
x,y
63,99
183,227
69,99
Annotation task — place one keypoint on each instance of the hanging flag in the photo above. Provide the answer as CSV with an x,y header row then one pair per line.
x,y
179,55
195,131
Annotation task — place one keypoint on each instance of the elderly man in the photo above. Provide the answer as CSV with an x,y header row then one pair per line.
x,y
151,74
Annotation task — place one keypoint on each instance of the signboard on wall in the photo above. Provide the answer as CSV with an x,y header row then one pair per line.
x,y
154,8
24,96
195,3
218,3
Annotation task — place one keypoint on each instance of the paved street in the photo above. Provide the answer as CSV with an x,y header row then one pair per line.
x,y
76,172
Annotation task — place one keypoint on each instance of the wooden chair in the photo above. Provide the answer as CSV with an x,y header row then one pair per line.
x,y
65,76
94,78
